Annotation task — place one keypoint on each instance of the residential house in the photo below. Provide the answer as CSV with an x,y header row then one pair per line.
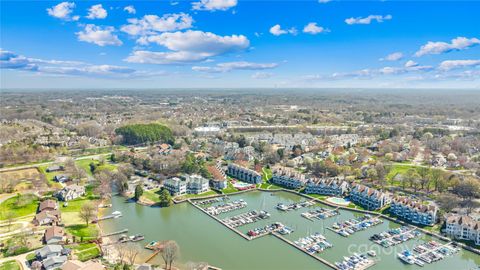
x,y
78,265
54,262
54,168
47,218
49,251
368,198
219,179
415,212
71,192
288,178
463,227
197,184
175,186
48,205
332,186
54,235
244,174
61,178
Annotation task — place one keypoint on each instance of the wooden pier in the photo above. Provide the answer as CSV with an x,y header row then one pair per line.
x,y
115,233
327,263
155,253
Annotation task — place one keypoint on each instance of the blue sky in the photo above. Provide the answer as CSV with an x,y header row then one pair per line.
x,y
230,43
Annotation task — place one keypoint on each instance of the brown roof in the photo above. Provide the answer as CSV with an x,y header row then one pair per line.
x,y
54,231
48,204
78,265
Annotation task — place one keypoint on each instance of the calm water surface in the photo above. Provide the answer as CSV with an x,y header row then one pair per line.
x,y
202,239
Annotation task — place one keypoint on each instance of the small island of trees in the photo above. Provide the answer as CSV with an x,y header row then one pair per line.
x,y
145,133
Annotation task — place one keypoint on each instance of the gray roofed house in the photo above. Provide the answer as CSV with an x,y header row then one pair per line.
x,y
49,251
54,262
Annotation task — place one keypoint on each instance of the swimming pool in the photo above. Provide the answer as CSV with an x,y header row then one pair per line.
x,y
339,201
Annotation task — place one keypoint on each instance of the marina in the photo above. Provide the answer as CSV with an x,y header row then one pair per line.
x,y
209,201
351,226
272,250
320,213
355,262
295,206
429,252
396,236
314,243
257,232
215,210
246,218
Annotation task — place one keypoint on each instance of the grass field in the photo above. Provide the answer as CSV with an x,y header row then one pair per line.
x,y
188,196
229,189
49,176
10,265
152,195
85,164
83,231
266,174
19,206
85,251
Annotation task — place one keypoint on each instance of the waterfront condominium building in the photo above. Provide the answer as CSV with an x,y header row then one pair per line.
x,y
413,211
368,198
244,174
288,178
332,186
197,184
175,186
463,227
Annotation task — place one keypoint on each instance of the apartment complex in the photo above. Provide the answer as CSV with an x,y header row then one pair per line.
x,y
415,212
244,174
288,178
368,198
332,186
463,227
191,184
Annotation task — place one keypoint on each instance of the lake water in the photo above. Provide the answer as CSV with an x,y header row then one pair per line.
x,y
202,239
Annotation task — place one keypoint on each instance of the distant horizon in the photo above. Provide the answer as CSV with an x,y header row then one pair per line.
x,y
245,44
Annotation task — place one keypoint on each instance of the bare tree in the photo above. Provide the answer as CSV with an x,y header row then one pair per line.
x,y
87,212
132,251
170,253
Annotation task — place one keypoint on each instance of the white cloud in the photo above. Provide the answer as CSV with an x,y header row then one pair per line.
x,y
368,20
97,12
214,4
262,75
98,35
277,30
313,28
240,65
323,1
457,44
189,46
454,64
63,11
410,64
13,61
393,57
150,24
130,9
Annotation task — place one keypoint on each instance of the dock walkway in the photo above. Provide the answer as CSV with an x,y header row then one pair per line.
x,y
327,263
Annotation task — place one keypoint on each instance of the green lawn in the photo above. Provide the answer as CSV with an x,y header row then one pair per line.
x,y
74,205
20,205
189,196
318,196
10,265
49,176
85,164
81,230
152,195
399,168
266,174
85,251
229,189
88,254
